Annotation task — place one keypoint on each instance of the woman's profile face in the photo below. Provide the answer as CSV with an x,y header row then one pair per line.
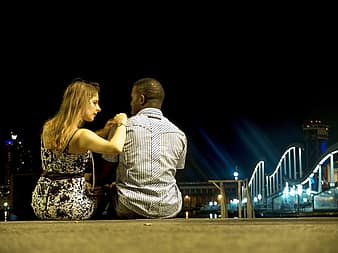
x,y
92,109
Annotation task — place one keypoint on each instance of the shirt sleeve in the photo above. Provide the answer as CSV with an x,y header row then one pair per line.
x,y
181,161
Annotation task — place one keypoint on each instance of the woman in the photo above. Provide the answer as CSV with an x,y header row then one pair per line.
x,y
66,152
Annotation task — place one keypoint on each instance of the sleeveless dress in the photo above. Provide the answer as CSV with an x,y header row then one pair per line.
x,y
60,192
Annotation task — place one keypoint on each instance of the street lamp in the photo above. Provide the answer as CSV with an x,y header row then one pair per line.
x,y
236,174
187,200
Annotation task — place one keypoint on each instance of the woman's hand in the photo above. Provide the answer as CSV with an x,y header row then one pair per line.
x,y
120,119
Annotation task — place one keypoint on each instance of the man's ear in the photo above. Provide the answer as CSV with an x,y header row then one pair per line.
x,y
143,99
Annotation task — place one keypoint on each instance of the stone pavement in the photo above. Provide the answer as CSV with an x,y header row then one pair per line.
x,y
194,235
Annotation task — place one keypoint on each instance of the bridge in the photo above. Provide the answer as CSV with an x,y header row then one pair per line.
x,y
292,188
305,180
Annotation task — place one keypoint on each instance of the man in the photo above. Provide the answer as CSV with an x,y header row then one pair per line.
x,y
154,149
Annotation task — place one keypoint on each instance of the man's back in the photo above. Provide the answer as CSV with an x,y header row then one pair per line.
x,y
154,149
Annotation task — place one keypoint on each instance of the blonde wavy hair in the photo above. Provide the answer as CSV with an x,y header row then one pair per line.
x,y
57,130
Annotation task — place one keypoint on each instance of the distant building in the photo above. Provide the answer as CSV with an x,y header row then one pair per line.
x,y
316,136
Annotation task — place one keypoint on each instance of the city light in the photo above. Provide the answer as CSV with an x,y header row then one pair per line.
x,y
236,174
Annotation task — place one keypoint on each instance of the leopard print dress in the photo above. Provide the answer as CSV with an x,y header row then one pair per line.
x,y
60,193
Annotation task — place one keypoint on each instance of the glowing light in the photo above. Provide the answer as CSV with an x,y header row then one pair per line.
x,y
308,191
236,175
299,189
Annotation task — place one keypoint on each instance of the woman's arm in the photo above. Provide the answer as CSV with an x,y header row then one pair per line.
x,y
86,139
103,132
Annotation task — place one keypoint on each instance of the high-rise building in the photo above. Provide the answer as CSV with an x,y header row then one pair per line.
x,y
316,136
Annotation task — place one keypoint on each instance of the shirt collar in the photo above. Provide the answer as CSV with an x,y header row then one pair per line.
x,y
151,112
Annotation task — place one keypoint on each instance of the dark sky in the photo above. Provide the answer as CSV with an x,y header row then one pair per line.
x,y
240,90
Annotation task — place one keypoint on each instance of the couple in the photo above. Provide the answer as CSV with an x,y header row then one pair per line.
x,y
147,147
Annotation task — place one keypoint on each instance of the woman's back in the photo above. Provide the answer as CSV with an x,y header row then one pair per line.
x,y
60,192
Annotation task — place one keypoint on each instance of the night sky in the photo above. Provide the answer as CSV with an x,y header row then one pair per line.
x,y
240,92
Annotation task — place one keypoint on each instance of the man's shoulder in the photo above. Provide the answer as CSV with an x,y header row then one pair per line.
x,y
175,127
136,121
137,118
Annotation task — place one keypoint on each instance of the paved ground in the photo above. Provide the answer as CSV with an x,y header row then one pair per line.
x,y
194,235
